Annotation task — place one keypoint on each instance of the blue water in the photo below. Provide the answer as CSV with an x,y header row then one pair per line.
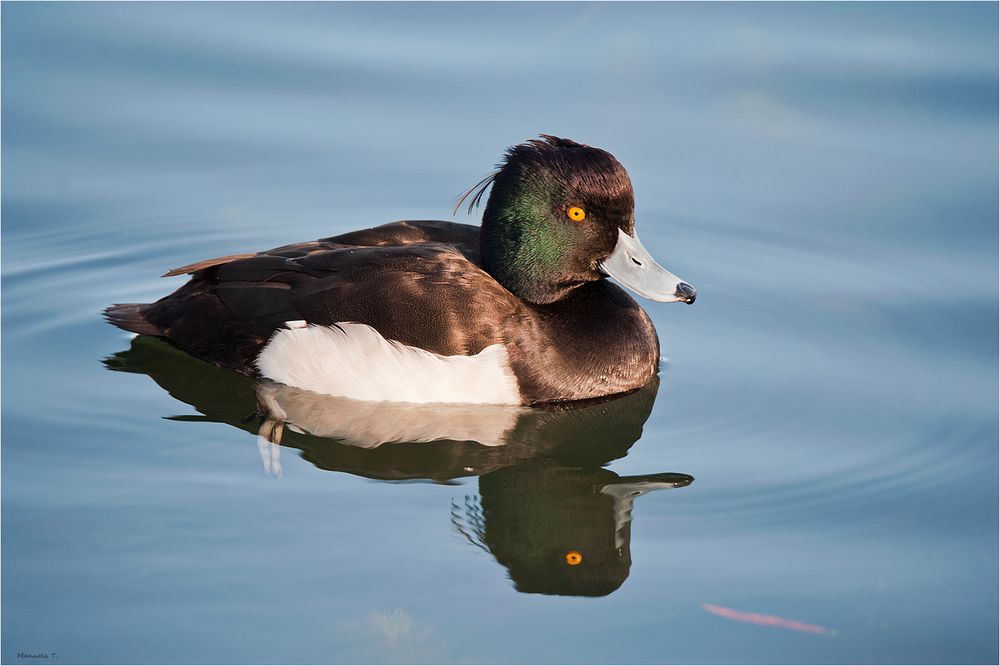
x,y
825,175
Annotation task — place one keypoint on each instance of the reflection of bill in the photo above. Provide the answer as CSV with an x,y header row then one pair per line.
x,y
547,509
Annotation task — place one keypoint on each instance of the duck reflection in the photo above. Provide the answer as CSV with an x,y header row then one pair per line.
x,y
558,529
547,510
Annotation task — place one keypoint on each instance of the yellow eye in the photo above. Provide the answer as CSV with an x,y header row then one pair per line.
x,y
576,214
573,558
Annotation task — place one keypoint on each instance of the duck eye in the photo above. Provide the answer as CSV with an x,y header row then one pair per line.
x,y
573,558
576,214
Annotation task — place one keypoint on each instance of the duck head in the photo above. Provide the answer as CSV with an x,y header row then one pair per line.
x,y
559,215
561,530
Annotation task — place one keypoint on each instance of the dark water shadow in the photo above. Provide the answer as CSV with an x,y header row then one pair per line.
x,y
547,510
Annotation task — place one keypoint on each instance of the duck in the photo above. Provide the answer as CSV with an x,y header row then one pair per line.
x,y
517,311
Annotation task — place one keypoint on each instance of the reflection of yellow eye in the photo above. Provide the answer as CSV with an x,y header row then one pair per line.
x,y
573,558
576,214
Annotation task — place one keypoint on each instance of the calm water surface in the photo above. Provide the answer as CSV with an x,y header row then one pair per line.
x,y
826,175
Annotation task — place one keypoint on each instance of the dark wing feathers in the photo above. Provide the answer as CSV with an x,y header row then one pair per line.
x,y
416,282
202,265
255,300
429,296
464,237
261,268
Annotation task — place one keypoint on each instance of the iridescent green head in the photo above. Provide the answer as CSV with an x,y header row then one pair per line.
x,y
560,214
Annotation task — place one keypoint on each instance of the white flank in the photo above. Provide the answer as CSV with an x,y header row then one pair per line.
x,y
354,361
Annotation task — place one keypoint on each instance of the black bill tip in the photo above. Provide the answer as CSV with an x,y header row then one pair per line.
x,y
686,293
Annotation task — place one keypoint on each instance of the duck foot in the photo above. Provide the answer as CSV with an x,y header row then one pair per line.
x,y
269,445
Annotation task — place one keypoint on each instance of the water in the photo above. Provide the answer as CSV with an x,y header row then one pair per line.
x,y
826,175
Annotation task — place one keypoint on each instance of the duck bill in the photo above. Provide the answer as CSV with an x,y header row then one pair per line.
x,y
632,265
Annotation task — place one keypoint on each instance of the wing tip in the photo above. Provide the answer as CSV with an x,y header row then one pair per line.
x,y
188,269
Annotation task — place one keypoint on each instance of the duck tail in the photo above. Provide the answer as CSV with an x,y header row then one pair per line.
x,y
131,317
